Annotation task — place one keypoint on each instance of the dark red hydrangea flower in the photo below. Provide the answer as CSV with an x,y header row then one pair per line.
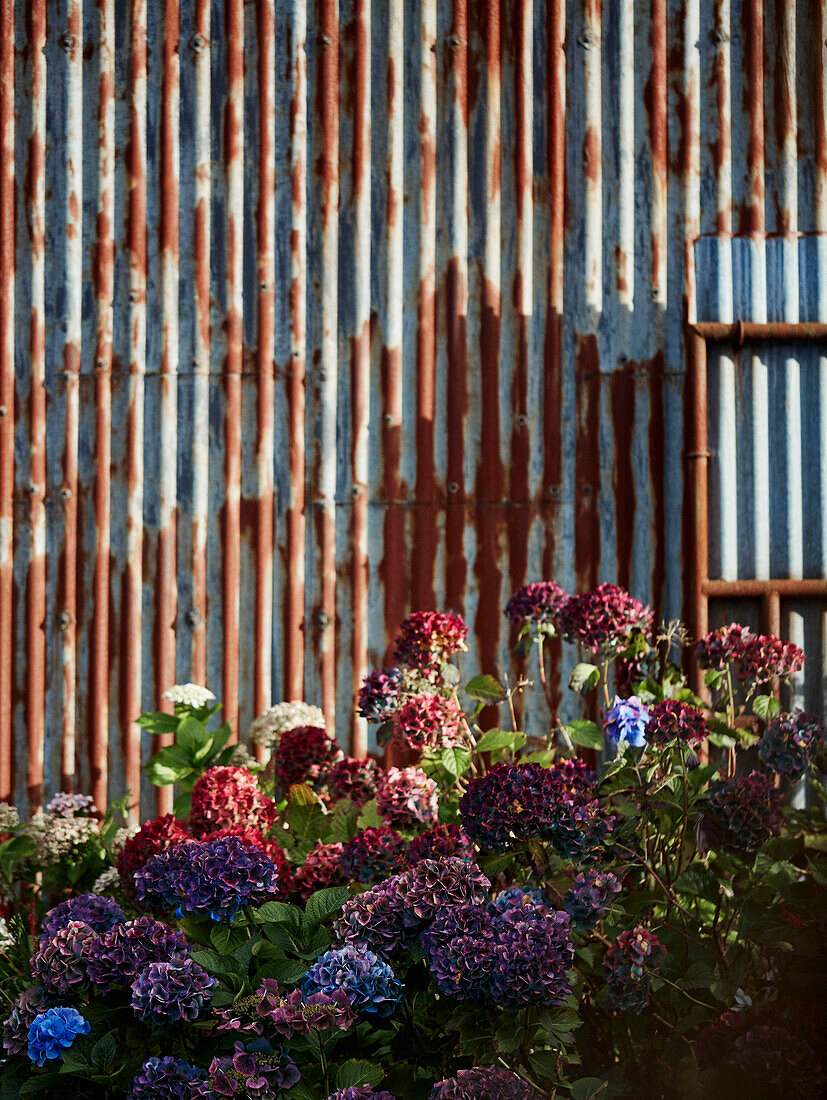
x,y
373,854
303,755
380,694
353,779
484,1083
755,657
723,646
442,840
748,809
407,798
427,722
322,867
285,881
790,742
671,720
628,963
151,839
631,671
540,602
427,638
604,619
575,775
228,798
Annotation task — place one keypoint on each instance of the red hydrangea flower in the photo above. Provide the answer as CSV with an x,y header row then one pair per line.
x,y
228,798
322,868
303,755
285,884
427,638
407,797
151,839
747,808
720,647
604,619
427,721
756,657
373,854
540,602
672,720
353,779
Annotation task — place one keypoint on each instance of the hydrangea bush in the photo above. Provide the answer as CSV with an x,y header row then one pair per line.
x,y
492,917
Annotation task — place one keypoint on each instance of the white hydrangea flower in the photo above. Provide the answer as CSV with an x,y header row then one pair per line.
x,y
242,757
189,695
106,881
71,805
116,845
6,938
268,727
56,837
9,817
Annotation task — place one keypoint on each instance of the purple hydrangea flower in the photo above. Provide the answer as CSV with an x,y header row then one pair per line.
x,y
53,1031
71,805
672,720
368,981
117,957
168,992
373,854
380,694
628,963
790,742
361,1092
288,1013
99,913
626,722
29,1004
459,950
441,840
60,962
169,1078
533,951
217,877
586,902
484,1083
254,1069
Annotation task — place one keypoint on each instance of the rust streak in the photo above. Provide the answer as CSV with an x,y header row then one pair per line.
x,y
587,460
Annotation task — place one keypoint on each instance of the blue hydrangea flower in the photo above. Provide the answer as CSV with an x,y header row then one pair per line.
x,y
53,1031
587,900
625,723
169,1078
167,992
369,982
99,913
514,897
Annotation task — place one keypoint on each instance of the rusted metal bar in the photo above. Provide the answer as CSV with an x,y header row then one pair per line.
x,y
740,332
104,272
783,587
295,580
36,582
132,627
7,301
696,455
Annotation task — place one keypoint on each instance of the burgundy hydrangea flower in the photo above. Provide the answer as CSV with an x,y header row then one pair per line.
x,y
372,854
116,957
303,755
285,882
60,963
790,742
575,775
170,992
228,798
427,721
353,779
322,867
151,839
631,671
484,1083
28,1005
380,694
442,840
586,902
671,720
98,912
628,963
748,809
428,638
756,657
540,602
407,798
604,619
253,1070
168,1078
723,646
377,919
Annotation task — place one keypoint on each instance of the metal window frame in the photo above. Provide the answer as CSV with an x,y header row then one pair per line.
x,y
699,588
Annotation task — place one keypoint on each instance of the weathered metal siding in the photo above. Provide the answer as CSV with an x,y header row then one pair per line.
x,y
312,311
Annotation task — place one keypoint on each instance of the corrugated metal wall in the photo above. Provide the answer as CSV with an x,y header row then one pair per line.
x,y
311,313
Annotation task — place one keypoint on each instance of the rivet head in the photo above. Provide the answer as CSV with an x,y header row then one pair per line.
x,y
197,43
193,618
65,619
321,619
587,39
453,487
101,364
34,489
326,40
554,490
64,493
388,418
355,490
453,40
521,419
67,41
587,490
3,410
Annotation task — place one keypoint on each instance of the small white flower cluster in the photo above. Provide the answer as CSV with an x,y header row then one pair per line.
x,y
6,938
116,844
9,817
189,695
106,881
242,757
55,837
268,727
71,805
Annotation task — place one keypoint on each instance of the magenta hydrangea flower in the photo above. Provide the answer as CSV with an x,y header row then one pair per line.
x,y
373,854
99,913
671,720
484,1083
628,963
322,867
169,1078
60,963
540,602
604,619
428,638
353,779
229,798
170,992
427,722
117,956
380,694
361,1092
303,755
790,742
441,840
253,1070
747,808
586,902
289,1013
368,981
407,798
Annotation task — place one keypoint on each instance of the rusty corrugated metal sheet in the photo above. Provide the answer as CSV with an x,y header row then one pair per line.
x,y
314,312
